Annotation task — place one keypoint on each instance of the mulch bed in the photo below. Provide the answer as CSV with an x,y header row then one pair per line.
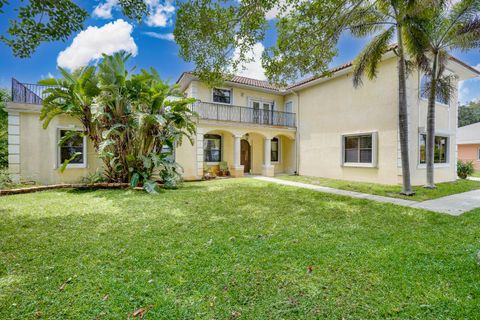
x,y
65,185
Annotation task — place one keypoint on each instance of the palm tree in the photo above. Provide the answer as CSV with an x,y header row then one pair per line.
x,y
442,28
388,20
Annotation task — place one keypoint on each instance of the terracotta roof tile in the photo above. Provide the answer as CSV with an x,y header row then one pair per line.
x,y
254,83
266,85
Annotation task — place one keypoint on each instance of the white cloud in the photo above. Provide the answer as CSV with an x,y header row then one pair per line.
x,y
252,69
163,36
48,76
160,14
104,10
463,92
89,44
275,11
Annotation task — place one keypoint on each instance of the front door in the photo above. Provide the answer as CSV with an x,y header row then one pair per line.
x,y
245,155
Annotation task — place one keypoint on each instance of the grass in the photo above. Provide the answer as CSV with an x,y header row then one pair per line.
x,y
233,249
421,193
476,174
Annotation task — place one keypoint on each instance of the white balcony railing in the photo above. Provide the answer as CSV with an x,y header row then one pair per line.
x,y
222,112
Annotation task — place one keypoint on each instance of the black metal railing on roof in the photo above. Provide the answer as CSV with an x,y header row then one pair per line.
x,y
27,92
222,112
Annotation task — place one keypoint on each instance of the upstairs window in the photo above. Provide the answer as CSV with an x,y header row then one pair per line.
x,y
212,148
275,147
358,149
72,148
424,94
440,149
222,95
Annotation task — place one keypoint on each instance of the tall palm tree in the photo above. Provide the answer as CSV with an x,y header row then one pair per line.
x,y
387,19
442,28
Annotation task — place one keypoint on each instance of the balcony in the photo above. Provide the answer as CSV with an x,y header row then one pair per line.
x,y
222,112
34,94
27,93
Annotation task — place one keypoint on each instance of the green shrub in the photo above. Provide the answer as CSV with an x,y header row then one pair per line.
x,y
4,97
464,169
5,180
94,177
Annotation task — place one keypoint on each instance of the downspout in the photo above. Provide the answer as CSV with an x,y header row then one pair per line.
x,y
297,133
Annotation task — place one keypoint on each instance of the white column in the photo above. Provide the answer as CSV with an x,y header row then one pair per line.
x,y
14,145
236,151
237,170
268,169
267,148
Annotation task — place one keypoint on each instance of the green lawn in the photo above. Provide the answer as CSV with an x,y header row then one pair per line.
x,y
421,193
476,174
229,249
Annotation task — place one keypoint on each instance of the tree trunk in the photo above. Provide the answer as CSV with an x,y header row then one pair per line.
x,y
403,115
430,143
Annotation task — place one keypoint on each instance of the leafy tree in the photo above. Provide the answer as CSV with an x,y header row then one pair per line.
x,y
130,118
469,114
4,97
208,31
41,21
442,28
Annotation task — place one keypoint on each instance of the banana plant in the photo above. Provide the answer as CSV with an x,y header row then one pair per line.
x,y
130,117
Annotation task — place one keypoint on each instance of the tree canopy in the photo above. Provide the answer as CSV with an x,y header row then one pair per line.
x,y
41,21
218,35
469,113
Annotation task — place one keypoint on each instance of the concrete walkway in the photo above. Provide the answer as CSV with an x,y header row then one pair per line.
x,y
453,205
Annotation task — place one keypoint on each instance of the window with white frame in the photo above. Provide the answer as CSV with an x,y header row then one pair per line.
x,y
289,106
72,148
424,92
358,149
222,95
168,152
275,150
440,149
212,148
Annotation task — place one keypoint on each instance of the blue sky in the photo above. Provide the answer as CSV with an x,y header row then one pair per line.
x,y
152,45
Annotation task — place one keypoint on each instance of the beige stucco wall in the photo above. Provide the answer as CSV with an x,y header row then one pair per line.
x,y
469,152
38,151
241,95
334,108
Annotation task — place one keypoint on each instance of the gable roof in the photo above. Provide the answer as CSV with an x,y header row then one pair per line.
x,y
469,134
466,70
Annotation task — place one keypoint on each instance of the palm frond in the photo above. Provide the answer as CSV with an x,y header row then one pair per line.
x,y
367,61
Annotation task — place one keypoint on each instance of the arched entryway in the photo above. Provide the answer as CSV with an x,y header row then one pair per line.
x,y
245,156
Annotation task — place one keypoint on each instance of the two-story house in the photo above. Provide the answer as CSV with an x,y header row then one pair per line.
x,y
321,126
